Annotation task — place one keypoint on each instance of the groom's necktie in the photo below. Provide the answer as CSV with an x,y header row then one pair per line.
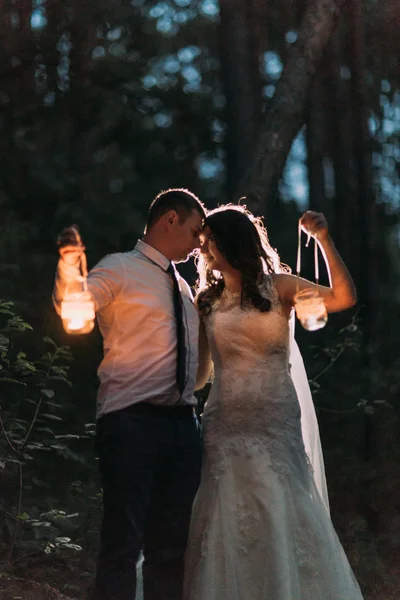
x,y
180,330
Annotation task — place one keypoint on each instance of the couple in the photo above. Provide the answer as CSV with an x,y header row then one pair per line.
x,y
259,528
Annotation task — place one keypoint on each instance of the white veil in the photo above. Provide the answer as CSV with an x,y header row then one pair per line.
x,y
309,423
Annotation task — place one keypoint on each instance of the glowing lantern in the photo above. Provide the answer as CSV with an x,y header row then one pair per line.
x,y
310,309
77,308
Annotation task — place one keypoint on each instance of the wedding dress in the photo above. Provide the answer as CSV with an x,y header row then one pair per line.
x,y
260,529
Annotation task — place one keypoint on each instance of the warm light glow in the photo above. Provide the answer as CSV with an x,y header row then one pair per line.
x,y
310,309
77,313
76,323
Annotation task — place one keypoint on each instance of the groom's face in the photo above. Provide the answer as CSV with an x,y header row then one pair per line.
x,y
187,236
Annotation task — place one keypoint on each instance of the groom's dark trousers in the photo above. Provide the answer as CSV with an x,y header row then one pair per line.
x,y
150,470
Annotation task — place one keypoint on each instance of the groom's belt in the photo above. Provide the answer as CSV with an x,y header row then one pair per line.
x,y
160,410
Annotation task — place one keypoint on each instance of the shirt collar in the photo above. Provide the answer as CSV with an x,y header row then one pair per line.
x,y
152,254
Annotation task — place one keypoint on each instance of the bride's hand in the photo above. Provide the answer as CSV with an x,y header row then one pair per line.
x,y
315,224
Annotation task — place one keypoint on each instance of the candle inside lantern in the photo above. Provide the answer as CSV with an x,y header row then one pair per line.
x,y
77,312
310,309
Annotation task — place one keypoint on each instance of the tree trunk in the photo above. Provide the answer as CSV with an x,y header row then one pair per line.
x,y
257,15
81,104
346,209
287,111
368,225
49,43
241,79
363,160
316,145
27,49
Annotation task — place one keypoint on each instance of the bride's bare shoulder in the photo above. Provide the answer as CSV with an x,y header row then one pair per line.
x,y
284,282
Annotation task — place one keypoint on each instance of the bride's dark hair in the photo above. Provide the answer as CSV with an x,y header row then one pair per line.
x,y
243,241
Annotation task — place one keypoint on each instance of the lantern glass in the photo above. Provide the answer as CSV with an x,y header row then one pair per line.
x,y
77,312
310,309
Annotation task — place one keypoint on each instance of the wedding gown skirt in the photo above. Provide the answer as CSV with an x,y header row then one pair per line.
x,y
259,529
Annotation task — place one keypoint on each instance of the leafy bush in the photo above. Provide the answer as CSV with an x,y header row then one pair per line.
x,y
34,379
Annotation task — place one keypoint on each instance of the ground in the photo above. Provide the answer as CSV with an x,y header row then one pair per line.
x,y
44,582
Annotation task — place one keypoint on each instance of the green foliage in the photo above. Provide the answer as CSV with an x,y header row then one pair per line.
x,y
34,435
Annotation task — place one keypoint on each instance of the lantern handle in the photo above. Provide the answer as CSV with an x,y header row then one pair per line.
x,y
298,262
83,259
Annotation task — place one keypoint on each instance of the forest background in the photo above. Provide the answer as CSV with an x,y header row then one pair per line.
x,y
293,104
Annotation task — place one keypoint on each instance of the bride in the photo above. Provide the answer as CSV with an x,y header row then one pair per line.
x,y
260,527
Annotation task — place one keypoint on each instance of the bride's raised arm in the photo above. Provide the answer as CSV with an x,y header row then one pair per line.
x,y
342,292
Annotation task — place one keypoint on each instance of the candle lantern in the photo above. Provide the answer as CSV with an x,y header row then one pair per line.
x,y
77,307
310,309
308,303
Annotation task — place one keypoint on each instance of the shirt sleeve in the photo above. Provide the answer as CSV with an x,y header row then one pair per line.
x,y
105,281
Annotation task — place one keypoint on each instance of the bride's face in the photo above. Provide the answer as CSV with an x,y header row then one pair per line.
x,y
214,259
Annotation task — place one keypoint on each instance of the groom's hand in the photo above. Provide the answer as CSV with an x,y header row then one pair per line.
x,y
315,224
70,245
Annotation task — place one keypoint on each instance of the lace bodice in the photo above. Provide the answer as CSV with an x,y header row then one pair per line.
x,y
243,337
252,402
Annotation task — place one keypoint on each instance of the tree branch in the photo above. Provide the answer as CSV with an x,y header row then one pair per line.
x,y
287,113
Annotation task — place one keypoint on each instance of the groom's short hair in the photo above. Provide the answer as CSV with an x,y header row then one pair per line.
x,y
178,199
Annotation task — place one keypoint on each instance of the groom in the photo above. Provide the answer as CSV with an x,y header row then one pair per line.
x,y
147,437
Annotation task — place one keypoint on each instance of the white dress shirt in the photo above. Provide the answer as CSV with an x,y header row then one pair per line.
x,y
133,297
